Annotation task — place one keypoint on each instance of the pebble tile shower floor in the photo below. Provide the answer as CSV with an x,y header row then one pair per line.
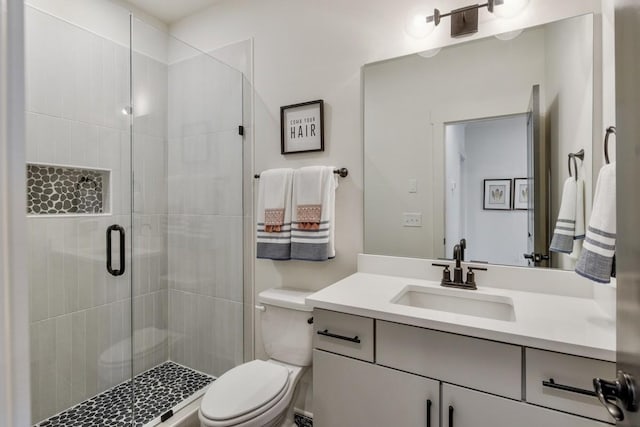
x,y
156,390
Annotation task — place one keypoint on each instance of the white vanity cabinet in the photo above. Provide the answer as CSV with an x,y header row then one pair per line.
x,y
462,407
369,372
350,392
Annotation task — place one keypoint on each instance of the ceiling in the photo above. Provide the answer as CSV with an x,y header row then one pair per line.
x,y
170,11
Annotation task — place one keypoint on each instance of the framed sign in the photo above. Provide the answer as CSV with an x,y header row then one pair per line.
x,y
520,193
497,194
301,127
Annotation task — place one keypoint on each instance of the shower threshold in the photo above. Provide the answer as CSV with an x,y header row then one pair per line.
x,y
166,387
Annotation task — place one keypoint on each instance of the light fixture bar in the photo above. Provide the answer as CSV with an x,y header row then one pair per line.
x,y
464,20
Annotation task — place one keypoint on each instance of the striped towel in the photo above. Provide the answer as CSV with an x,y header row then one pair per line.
x,y
596,261
313,211
274,214
570,223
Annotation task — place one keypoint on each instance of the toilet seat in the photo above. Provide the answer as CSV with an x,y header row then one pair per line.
x,y
244,393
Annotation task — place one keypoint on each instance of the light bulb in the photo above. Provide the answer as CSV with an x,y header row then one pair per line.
x,y
416,24
510,8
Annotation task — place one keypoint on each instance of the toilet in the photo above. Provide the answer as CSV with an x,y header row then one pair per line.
x,y
259,393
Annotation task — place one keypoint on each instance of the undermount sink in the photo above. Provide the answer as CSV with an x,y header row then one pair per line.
x,y
470,303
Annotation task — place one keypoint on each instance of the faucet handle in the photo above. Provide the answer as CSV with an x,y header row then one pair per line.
x,y
471,277
446,273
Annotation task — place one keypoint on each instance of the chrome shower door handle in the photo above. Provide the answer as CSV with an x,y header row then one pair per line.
x,y
110,269
622,390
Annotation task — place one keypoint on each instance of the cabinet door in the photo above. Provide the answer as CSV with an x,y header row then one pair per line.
x,y
476,409
349,392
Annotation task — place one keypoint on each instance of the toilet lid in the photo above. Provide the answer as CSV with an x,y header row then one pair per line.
x,y
244,389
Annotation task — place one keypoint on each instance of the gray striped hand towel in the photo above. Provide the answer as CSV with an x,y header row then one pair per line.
x,y
274,214
313,211
598,250
570,222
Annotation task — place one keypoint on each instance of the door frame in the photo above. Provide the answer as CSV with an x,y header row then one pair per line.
x,y
627,54
15,407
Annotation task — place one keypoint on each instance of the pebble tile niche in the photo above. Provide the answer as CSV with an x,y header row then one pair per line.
x,y
65,190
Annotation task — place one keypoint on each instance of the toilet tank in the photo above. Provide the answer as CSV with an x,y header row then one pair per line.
x,y
286,328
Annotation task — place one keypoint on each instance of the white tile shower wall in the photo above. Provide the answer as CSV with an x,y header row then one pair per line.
x,y
205,245
205,332
77,85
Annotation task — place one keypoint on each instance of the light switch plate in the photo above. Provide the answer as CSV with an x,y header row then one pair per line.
x,y
413,185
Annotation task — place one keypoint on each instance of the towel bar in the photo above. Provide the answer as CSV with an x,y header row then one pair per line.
x,y
342,172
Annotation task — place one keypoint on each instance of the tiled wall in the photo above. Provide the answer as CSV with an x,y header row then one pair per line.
x,y
205,212
150,301
77,85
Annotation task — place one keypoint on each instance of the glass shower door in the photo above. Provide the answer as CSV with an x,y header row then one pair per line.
x,y
79,204
187,155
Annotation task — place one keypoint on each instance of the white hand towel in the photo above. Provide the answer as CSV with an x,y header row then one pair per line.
x,y
274,214
579,232
599,247
313,212
564,233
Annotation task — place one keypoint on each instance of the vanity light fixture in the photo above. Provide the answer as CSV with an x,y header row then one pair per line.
x,y
465,19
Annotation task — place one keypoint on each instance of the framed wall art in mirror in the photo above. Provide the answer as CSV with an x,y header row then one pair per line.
x,y
497,195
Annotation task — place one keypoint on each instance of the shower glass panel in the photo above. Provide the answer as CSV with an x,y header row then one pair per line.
x,y
78,153
187,221
135,218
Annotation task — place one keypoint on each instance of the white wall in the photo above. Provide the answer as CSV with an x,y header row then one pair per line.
x,y
495,149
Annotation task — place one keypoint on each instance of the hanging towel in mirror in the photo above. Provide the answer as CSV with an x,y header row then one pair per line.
x,y
274,214
598,249
313,224
570,222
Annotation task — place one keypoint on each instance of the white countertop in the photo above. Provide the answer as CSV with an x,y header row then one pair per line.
x,y
566,324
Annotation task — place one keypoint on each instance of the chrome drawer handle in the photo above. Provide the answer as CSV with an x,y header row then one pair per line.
x,y
326,333
552,384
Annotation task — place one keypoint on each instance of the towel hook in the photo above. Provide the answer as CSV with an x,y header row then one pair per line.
x,y
579,155
610,130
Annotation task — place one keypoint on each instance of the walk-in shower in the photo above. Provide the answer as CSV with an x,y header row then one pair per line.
x,y
135,218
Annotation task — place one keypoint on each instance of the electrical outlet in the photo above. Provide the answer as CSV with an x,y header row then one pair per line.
x,y
412,219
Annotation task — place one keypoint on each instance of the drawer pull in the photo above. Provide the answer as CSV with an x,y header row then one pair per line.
x,y
326,333
552,384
